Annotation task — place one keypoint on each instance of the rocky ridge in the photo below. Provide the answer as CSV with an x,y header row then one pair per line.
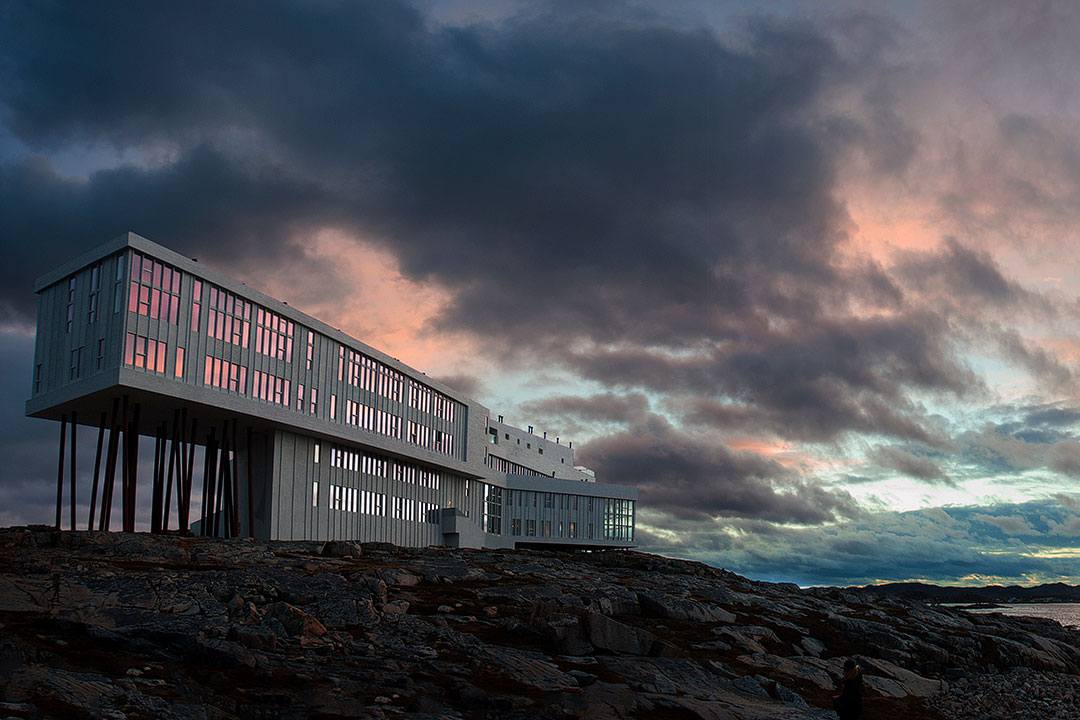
x,y
158,626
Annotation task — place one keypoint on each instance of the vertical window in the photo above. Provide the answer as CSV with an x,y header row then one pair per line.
x,y
142,352
71,303
155,289
196,304
76,361
118,288
273,335
101,354
37,378
179,371
315,492
226,375
333,407
314,400
310,349
530,528
300,397
95,287
271,388
228,317
317,447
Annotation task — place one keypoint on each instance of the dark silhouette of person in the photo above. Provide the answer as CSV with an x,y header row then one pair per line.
x,y
848,704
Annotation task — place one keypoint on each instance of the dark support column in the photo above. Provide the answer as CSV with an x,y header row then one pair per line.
x,y
235,515
155,486
209,477
97,472
221,496
174,448
60,472
161,471
110,469
74,434
189,469
250,489
133,473
125,465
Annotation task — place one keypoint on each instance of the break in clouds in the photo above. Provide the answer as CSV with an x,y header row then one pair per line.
x,y
661,209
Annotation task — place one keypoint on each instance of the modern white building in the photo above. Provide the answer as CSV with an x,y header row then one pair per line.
x,y
298,430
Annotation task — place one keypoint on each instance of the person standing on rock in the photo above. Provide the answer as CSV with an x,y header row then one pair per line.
x,y
848,704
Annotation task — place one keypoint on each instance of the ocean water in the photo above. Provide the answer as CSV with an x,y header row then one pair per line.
x,y
1064,613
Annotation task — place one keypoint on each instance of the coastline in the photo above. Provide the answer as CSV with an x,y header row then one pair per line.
x,y
167,627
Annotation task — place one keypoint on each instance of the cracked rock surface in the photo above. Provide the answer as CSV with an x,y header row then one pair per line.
x,y
115,625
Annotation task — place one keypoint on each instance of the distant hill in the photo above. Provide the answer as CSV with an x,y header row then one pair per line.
x,y
1052,592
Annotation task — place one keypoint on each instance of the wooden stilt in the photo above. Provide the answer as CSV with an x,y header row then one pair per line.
x,y
97,471
235,514
110,468
209,478
222,484
173,450
155,484
133,472
125,466
188,472
60,472
74,454
250,489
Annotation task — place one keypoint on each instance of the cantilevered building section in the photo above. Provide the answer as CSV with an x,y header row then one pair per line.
x,y
292,429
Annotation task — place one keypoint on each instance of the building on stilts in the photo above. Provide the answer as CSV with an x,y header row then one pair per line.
x,y
268,423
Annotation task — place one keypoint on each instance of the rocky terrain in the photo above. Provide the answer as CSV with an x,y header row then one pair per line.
x,y
157,626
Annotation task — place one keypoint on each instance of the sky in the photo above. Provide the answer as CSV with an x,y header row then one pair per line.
x,y
804,274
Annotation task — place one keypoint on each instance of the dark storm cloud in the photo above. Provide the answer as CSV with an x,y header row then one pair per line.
x,y
203,204
917,466
653,178
958,271
808,382
468,384
978,544
696,477
606,407
645,184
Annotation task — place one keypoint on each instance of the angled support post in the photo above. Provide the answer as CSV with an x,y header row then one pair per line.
x,y
60,473
74,454
97,472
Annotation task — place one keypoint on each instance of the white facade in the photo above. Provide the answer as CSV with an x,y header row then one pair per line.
x,y
302,432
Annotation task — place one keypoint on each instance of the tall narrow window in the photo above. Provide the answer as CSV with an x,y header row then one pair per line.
x,y
273,335
333,407
95,287
300,397
155,289
143,352
310,349
317,448
179,370
225,375
118,288
101,354
71,303
196,304
228,317
314,401
76,361
37,378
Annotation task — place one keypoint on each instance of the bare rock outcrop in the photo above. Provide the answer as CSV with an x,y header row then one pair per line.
x,y
97,625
